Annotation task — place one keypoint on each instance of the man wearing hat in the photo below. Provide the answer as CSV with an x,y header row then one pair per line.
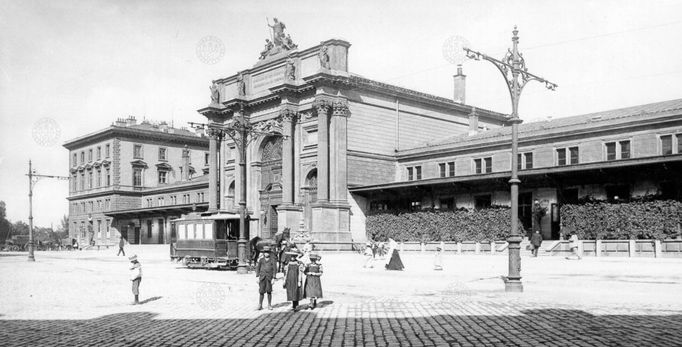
x,y
265,272
293,283
135,277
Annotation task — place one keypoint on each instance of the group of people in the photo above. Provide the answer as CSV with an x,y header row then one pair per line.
x,y
392,260
301,273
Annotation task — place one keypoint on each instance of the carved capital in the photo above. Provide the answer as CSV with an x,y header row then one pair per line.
x,y
215,133
322,106
288,115
340,108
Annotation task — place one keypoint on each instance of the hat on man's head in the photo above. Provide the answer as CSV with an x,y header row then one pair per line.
x,y
293,254
315,256
133,257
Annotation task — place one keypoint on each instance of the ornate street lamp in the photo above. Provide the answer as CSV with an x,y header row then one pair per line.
x,y
242,132
512,66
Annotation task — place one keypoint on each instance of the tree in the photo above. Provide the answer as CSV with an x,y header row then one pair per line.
x,y
5,225
20,228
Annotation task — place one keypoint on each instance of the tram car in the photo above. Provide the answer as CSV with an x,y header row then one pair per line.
x,y
208,241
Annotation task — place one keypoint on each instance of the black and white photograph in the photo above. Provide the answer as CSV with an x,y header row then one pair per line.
x,y
340,173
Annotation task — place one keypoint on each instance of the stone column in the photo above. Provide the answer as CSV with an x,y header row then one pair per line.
x,y
213,169
322,151
287,157
339,168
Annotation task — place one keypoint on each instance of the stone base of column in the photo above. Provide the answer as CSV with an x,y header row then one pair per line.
x,y
512,285
289,216
331,226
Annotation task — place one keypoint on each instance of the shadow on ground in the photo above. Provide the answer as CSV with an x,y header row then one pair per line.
x,y
533,327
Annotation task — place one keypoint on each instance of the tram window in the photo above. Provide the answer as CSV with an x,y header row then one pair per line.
x,y
182,231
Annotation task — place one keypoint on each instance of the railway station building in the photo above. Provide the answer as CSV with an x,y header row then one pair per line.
x,y
329,146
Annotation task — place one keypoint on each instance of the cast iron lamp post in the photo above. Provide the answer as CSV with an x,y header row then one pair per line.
x,y
241,131
33,178
512,66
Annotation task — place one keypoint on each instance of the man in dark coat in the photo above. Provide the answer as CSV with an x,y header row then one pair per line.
x,y
121,244
536,241
265,272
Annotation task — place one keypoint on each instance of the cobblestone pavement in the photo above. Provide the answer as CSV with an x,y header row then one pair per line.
x,y
83,299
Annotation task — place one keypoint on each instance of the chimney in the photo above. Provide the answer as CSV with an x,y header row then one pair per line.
x,y
131,120
460,85
185,164
473,122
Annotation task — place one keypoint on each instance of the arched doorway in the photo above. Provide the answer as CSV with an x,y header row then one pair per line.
x,y
310,197
271,186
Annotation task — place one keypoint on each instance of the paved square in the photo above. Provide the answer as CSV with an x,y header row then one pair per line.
x,y
83,298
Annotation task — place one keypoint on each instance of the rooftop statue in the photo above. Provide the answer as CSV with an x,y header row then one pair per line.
x,y
215,93
278,42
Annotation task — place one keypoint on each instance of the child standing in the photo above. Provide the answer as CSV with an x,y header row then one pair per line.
x,y
313,286
293,279
265,271
135,277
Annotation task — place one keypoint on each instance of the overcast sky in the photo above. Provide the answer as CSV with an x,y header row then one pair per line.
x,y
75,66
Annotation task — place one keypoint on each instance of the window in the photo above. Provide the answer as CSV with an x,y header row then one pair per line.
x,y
418,172
624,149
524,161
163,176
90,180
106,224
619,193
108,178
99,177
611,151
74,182
161,201
137,177
137,151
410,174
488,164
89,155
83,181
206,158
82,157
99,228
99,152
149,229
575,155
106,150
378,205
679,143
75,159
667,144
447,203
482,201
415,205
561,156
162,153
477,163
447,169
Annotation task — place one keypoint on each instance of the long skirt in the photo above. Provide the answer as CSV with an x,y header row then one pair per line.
x,y
395,263
136,286
313,287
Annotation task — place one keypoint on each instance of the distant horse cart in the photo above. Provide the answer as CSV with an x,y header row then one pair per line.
x,y
209,242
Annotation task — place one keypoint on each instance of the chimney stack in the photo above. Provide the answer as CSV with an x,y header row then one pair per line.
x,y
185,164
460,85
473,122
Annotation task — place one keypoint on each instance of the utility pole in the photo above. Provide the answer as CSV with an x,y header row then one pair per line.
x,y
512,66
31,175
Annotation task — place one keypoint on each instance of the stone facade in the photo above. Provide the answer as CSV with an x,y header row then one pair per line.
x,y
128,174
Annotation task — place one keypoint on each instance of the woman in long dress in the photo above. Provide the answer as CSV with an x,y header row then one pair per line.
x,y
394,262
313,285
293,283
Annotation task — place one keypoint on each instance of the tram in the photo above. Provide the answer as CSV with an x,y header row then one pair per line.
x,y
208,241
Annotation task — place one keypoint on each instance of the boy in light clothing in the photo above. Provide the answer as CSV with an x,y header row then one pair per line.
x,y
135,277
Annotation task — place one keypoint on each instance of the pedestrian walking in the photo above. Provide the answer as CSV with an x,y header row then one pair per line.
x,y
369,256
313,285
293,279
536,241
121,244
394,262
575,251
135,277
266,269
438,260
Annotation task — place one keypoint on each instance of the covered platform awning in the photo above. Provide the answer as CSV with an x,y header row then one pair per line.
x,y
616,171
158,211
